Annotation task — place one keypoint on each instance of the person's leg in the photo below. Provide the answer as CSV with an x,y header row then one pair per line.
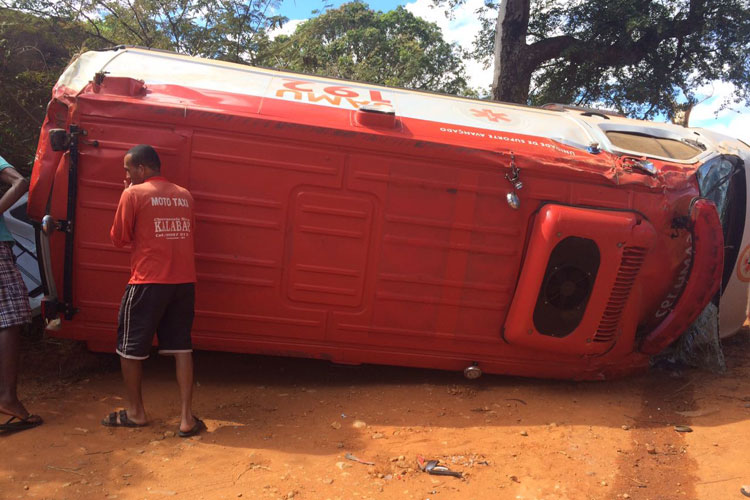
x,y
174,340
10,342
136,323
132,375
184,371
14,304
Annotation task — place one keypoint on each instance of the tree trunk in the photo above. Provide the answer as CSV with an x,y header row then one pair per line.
x,y
680,114
512,68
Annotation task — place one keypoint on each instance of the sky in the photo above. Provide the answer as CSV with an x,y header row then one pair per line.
x,y
462,28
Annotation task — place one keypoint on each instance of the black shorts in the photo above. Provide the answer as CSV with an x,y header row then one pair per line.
x,y
167,310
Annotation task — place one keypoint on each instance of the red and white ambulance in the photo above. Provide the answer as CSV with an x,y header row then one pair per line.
x,y
367,224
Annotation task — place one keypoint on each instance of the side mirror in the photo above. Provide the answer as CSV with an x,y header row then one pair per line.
x,y
59,139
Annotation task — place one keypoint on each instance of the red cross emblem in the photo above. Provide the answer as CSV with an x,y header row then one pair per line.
x,y
490,115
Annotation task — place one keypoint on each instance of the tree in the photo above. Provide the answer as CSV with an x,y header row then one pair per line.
x,y
231,30
33,53
354,42
642,57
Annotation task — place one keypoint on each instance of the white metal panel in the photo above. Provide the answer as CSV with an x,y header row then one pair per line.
x,y
156,67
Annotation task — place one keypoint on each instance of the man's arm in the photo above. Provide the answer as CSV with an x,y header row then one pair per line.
x,y
124,224
18,186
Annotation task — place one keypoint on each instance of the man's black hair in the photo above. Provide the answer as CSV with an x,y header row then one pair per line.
x,y
145,155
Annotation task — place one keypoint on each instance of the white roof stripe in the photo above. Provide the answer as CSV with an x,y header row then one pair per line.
x,y
568,127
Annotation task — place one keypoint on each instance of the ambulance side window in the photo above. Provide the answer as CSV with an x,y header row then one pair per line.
x,y
714,178
722,180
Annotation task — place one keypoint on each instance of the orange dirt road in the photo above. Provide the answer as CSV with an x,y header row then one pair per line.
x,y
282,428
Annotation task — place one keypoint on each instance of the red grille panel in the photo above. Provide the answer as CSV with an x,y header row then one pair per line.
x,y
630,266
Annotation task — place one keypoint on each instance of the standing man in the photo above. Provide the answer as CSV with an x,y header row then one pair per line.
x,y
14,310
156,218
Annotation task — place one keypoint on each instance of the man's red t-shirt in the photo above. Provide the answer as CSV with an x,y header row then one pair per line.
x,y
157,218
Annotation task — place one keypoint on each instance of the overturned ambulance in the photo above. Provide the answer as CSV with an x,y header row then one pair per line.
x,y
366,224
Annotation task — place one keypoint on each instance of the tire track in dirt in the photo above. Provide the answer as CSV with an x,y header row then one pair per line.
x,y
658,465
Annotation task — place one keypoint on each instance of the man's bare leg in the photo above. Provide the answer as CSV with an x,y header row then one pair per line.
x,y
10,346
184,371
132,374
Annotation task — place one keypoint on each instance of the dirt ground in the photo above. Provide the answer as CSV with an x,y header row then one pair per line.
x,y
282,429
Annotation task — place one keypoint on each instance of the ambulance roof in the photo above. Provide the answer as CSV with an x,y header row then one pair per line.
x,y
575,127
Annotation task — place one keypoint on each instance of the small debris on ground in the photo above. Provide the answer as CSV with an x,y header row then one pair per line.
x,y
349,456
432,467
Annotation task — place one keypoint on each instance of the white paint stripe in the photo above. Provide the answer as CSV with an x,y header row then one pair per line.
x,y
126,319
173,351
127,356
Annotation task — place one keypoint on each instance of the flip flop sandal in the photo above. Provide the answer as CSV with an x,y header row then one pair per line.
x,y
14,423
112,420
197,428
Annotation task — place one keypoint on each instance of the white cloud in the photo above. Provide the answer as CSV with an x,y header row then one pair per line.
x,y
711,97
287,29
733,121
737,125
461,29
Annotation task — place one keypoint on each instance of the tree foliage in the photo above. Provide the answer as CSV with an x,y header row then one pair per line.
x,y
33,53
356,43
230,30
642,57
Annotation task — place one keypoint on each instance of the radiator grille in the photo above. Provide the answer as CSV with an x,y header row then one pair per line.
x,y
630,266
